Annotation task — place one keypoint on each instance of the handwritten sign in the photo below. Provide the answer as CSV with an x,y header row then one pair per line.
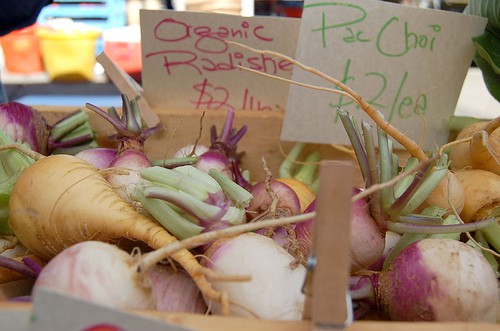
x,y
408,63
188,65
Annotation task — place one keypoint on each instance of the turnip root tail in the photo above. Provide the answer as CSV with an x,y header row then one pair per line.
x,y
61,200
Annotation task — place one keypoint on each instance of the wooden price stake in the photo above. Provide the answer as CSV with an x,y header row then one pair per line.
x,y
126,85
328,303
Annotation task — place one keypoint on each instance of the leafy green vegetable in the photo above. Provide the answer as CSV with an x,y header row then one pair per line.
x,y
487,56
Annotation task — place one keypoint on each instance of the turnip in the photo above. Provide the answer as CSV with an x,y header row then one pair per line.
x,y
104,273
130,153
435,279
98,272
477,146
27,125
482,201
175,290
99,157
482,194
367,241
221,154
275,290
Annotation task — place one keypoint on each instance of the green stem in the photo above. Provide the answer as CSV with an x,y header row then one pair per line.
x,y
492,235
175,223
430,182
285,170
385,168
195,184
174,162
400,227
375,204
352,130
185,201
307,172
479,237
68,124
240,197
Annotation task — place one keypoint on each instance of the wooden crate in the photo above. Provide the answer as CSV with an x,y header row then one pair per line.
x,y
261,141
182,127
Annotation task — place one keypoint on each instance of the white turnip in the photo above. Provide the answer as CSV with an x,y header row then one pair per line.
x,y
275,288
98,272
104,274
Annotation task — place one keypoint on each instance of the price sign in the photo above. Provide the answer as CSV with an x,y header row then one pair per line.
x,y
408,63
187,63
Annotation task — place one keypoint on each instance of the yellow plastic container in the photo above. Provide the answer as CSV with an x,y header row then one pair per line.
x,y
69,55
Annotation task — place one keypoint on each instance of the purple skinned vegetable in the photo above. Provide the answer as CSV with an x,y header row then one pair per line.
x,y
434,279
27,125
131,136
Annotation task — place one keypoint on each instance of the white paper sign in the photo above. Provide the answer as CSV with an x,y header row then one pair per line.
x,y
408,63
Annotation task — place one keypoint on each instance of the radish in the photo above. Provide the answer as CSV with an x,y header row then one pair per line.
x,y
477,146
99,157
102,273
275,289
98,272
175,290
482,201
130,154
435,279
221,154
27,125
367,241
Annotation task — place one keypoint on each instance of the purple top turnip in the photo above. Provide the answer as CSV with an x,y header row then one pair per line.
x,y
436,279
27,125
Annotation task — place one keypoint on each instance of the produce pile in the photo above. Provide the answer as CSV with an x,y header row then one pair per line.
x,y
196,233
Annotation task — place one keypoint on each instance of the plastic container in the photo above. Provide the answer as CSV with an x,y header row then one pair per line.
x,y
123,46
21,49
69,54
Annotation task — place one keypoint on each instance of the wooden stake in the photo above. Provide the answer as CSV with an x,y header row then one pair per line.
x,y
126,85
328,303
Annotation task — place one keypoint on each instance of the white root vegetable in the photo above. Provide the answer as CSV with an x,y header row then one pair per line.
x,y
275,290
98,272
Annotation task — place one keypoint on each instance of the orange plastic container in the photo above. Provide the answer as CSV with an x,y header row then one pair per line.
x,y
21,49
126,54
123,46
